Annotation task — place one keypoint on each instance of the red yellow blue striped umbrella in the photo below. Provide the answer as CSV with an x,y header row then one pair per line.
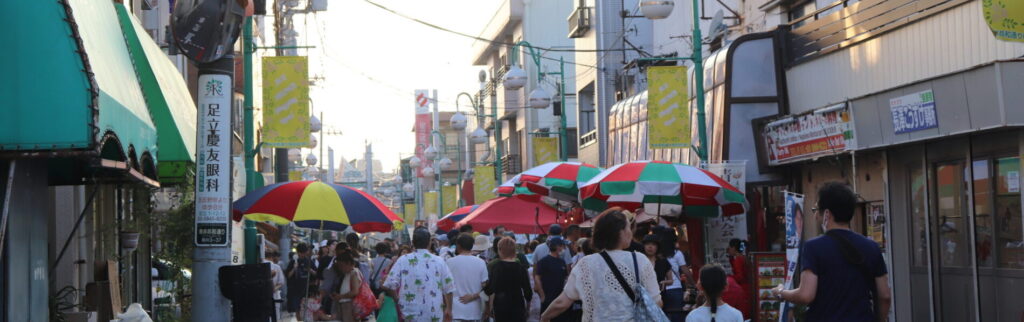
x,y
319,205
664,189
448,221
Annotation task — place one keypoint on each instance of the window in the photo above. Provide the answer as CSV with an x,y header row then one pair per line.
x,y
997,213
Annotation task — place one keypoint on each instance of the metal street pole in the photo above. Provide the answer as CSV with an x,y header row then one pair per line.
x,y
251,249
440,152
698,74
213,190
562,131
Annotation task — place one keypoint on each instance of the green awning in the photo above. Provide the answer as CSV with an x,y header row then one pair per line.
x,y
167,96
69,83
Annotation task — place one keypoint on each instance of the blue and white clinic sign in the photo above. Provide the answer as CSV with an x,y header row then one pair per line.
x,y
914,112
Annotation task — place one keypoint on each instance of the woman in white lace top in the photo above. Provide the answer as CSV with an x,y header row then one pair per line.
x,y
592,280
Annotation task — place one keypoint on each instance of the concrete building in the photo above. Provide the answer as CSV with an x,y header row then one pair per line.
x,y
534,22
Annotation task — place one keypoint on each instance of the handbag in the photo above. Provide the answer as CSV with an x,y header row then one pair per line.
x,y
365,303
644,308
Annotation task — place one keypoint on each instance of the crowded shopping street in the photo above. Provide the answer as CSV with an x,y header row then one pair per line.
x,y
512,160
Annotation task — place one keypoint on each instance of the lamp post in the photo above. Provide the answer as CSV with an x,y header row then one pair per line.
x,y
662,9
516,79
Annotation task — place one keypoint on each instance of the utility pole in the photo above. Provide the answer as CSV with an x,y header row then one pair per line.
x,y
283,20
369,168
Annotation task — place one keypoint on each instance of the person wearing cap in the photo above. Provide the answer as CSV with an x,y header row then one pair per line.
x,y
444,250
549,274
421,283
543,249
481,244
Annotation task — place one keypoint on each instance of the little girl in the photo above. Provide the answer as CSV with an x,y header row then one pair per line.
x,y
311,307
712,283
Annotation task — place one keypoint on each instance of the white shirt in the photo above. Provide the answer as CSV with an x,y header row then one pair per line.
x,y
278,278
592,282
725,313
469,272
676,261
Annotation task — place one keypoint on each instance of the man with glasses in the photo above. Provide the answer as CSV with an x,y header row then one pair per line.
x,y
844,276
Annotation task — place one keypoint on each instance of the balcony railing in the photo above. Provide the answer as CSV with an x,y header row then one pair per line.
x,y
579,22
588,138
511,164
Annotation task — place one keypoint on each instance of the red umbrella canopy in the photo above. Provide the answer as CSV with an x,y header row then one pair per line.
x,y
519,215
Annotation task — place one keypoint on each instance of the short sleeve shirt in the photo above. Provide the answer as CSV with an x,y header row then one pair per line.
x,y
843,292
552,272
469,272
421,280
592,282
677,260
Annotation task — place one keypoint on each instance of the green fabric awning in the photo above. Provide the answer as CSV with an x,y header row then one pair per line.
x,y
167,96
69,83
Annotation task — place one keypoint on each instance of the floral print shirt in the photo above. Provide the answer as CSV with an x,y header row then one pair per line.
x,y
421,280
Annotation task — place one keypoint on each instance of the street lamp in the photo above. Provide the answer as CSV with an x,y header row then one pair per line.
x,y
427,172
516,79
414,162
479,136
430,152
660,9
458,121
539,98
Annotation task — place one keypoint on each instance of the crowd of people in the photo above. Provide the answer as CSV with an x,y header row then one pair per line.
x,y
616,270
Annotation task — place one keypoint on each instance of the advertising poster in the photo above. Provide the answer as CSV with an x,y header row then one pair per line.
x,y
823,132
724,228
450,198
668,118
794,237
914,112
286,101
410,213
424,124
483,183
1005,18
213,162
876,223
544,150
429,204
770,271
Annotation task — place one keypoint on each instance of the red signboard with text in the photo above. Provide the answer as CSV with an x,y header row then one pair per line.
x,y
424,125
822,132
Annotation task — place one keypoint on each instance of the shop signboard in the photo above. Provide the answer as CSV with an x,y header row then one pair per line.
x,y
286,101
823,132
1005,18
794,208
724,228
668,118
769,272
423,128
213,162
914,112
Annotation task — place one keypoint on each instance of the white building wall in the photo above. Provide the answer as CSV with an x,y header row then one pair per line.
x,y
951,41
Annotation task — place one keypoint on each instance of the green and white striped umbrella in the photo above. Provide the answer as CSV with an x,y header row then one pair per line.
x,y
664,189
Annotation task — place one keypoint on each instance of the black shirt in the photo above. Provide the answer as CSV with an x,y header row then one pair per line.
x,y
661,268
843,289
552,272
509,283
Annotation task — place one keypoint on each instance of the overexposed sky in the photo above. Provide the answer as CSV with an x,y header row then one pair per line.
x,y
371,61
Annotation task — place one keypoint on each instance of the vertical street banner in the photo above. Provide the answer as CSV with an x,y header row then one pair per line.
x,y
1005,18
483,183
424,125
668,118
544,150
430,204
213,162
410,214
794,237
722,229
451,200
286,101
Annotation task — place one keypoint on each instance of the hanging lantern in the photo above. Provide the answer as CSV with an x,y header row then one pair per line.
x,y
515,78
539,98
479,136
314,124
659,9
458,121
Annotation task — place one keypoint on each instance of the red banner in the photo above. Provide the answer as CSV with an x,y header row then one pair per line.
x,y
424,125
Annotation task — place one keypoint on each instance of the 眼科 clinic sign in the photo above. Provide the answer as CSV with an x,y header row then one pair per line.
x,y
914,112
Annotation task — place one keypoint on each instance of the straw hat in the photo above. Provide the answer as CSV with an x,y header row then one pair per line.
x,y
481,243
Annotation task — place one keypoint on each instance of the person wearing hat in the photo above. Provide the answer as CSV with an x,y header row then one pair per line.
x,y
549,274
421,283
481,244
444,247
543,249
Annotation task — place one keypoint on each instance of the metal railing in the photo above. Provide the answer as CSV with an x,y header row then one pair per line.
x,y
588,138
511,164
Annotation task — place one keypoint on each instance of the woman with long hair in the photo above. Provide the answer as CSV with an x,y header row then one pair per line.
x,y
508,286
712,284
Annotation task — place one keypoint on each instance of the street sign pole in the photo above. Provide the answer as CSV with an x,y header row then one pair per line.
x,y
213,189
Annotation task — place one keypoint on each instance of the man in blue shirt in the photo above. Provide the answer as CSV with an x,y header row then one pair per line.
x,y
844,276
549,275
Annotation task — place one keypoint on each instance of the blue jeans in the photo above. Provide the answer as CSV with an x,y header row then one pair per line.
x,y
672,304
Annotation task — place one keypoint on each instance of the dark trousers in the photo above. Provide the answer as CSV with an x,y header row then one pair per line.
x,y
296,291
673,304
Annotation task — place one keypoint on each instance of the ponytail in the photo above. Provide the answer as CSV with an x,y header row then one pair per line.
x,y
713,280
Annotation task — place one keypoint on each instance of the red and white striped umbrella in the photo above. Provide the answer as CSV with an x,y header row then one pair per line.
x,y
558,180
664,189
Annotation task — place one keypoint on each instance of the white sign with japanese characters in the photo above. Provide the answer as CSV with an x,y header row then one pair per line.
x,y
213,161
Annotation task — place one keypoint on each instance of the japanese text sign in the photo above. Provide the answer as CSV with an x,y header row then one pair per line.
x,y
213,162
914,112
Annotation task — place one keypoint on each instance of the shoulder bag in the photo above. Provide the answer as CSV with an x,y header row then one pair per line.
x,y
644,308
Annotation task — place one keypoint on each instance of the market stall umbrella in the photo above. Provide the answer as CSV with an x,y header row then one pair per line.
x,y
519,215
511,187
558,180
662,189
319,205
448,221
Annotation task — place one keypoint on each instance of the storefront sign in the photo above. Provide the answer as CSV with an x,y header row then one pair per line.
x,y
668,118
285,101
1005,18
723,229
794,237
544,150
769,272
827,131
423,128
483,184
914,112
213,162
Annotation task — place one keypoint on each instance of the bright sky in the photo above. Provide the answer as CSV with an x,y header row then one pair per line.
x,y
360,41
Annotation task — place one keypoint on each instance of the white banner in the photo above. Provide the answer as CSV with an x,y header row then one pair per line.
x,y
794,233
213,162
723,229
